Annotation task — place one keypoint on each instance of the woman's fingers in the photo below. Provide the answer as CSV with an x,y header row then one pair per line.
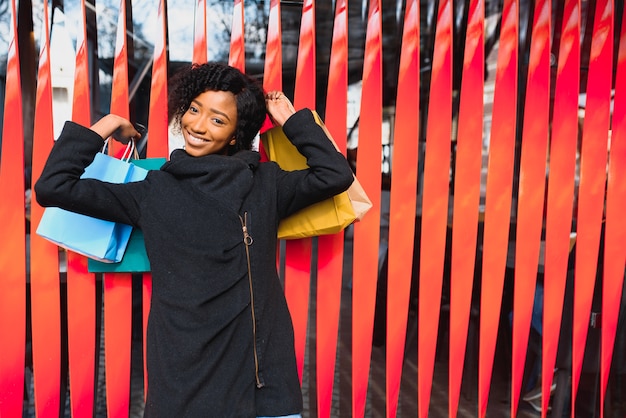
x,y
275,95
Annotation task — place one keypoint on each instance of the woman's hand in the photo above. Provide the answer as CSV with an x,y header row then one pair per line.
x,y
117,127
279,107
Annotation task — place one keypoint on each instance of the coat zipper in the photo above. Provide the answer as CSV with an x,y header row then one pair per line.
x,y
247,240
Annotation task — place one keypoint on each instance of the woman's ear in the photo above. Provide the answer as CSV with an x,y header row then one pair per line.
x,y
233,141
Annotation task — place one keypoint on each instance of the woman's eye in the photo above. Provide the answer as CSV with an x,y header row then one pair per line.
x,y
193,109
218,121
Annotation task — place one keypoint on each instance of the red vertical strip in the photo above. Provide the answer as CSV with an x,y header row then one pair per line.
x,y
402,203
117,286
199,39
12,227
117,336
337,91
591,189
367,231
146,298
304,94
330,264
331,247
615,232
81,106
560,190
158,119
273,73
298,252
297,288
466,196
237,55
273,70
81,314
435,204
273,67
119,94
498,197
81,285
44,283
531,191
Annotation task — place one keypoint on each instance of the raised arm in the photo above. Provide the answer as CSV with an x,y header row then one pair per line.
x,y
60,183
328,174
117,127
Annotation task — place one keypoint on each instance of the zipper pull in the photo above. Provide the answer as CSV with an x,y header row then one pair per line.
x,y
247,239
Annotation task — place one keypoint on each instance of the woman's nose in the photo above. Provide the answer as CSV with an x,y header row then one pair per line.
x,y
199,125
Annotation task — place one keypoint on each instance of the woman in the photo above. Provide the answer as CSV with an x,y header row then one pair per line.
x,y
220,338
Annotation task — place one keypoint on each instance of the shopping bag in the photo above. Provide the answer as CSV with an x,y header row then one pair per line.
x,y
135,259
326,217
95,238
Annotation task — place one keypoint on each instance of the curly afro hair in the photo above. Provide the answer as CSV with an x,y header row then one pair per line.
x,y
193,80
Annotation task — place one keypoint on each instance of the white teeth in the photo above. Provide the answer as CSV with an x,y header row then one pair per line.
x,y
196,139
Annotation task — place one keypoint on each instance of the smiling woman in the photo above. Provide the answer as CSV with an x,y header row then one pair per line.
x,y
208,126
220,340
214,108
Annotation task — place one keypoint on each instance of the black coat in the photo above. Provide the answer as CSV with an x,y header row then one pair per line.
x,y
208,353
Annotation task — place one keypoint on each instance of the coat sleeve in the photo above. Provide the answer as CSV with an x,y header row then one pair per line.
x,y
328,174
60,184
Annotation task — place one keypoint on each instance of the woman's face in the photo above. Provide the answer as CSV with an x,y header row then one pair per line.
x,y
208,126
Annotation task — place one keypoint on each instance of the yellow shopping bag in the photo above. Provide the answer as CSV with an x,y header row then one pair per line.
x,y
326,217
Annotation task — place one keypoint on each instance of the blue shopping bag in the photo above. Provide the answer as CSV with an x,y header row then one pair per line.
x,y
95,238
135,258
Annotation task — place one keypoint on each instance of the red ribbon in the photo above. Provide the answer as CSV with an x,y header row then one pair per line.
x,y
531,191
498,197
434,204
117,286
367,231
199,38
117,341
146,300
402,203
45,288
13,256
304,93
331,247
560,190
237,55
158,118
272,75
615,233
467,197
297,287
298,252
81,285
592,181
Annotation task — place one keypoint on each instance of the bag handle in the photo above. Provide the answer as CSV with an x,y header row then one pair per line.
x,y
135,152
128,151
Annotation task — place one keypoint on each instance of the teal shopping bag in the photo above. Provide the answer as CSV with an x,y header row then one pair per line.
x,y
135,259
92,237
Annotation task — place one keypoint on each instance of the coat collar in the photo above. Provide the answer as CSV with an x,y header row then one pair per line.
x,y
226,178
183,164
